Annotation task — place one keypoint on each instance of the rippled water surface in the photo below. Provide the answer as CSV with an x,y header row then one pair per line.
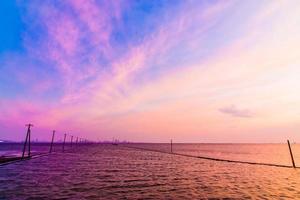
x,y
117,172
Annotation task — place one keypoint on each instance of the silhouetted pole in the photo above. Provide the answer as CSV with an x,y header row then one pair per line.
x,y
25,143
71,141
52,141
27,139
292,157
171,146
64,142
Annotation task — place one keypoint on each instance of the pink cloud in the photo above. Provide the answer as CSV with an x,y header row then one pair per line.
x,y
186,98
236,112
95,18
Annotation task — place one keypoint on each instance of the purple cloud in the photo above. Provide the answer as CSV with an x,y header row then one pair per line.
x,y
236,112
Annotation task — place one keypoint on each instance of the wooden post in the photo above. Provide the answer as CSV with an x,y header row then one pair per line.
x,y
29,140
292,157
71,141
52,141
171,146
25,143
27,136
64,142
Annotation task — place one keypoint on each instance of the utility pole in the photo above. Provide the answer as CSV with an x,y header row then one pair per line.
x,y
27,140
71,141
53,133
291,153
64,142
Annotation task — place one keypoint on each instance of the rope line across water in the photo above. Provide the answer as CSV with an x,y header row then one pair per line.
x,y
210,158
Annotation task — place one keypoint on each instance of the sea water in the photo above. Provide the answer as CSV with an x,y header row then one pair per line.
x,y
105,171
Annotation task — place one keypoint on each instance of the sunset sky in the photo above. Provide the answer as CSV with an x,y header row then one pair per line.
x,y
193,71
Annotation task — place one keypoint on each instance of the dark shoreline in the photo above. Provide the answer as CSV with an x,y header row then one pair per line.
x,y
4,159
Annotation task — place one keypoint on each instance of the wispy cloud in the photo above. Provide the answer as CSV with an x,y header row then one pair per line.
x,y
236,112
121,66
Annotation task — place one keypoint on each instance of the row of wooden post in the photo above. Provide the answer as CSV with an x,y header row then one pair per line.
x,y
289,145
64,142
28,141
65,135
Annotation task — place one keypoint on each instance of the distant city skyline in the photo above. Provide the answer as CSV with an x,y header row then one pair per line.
x,y
151,71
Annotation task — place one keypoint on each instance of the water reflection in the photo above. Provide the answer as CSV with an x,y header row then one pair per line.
x,y
116,172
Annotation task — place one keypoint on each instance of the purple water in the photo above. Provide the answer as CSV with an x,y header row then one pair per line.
x,y
117,172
